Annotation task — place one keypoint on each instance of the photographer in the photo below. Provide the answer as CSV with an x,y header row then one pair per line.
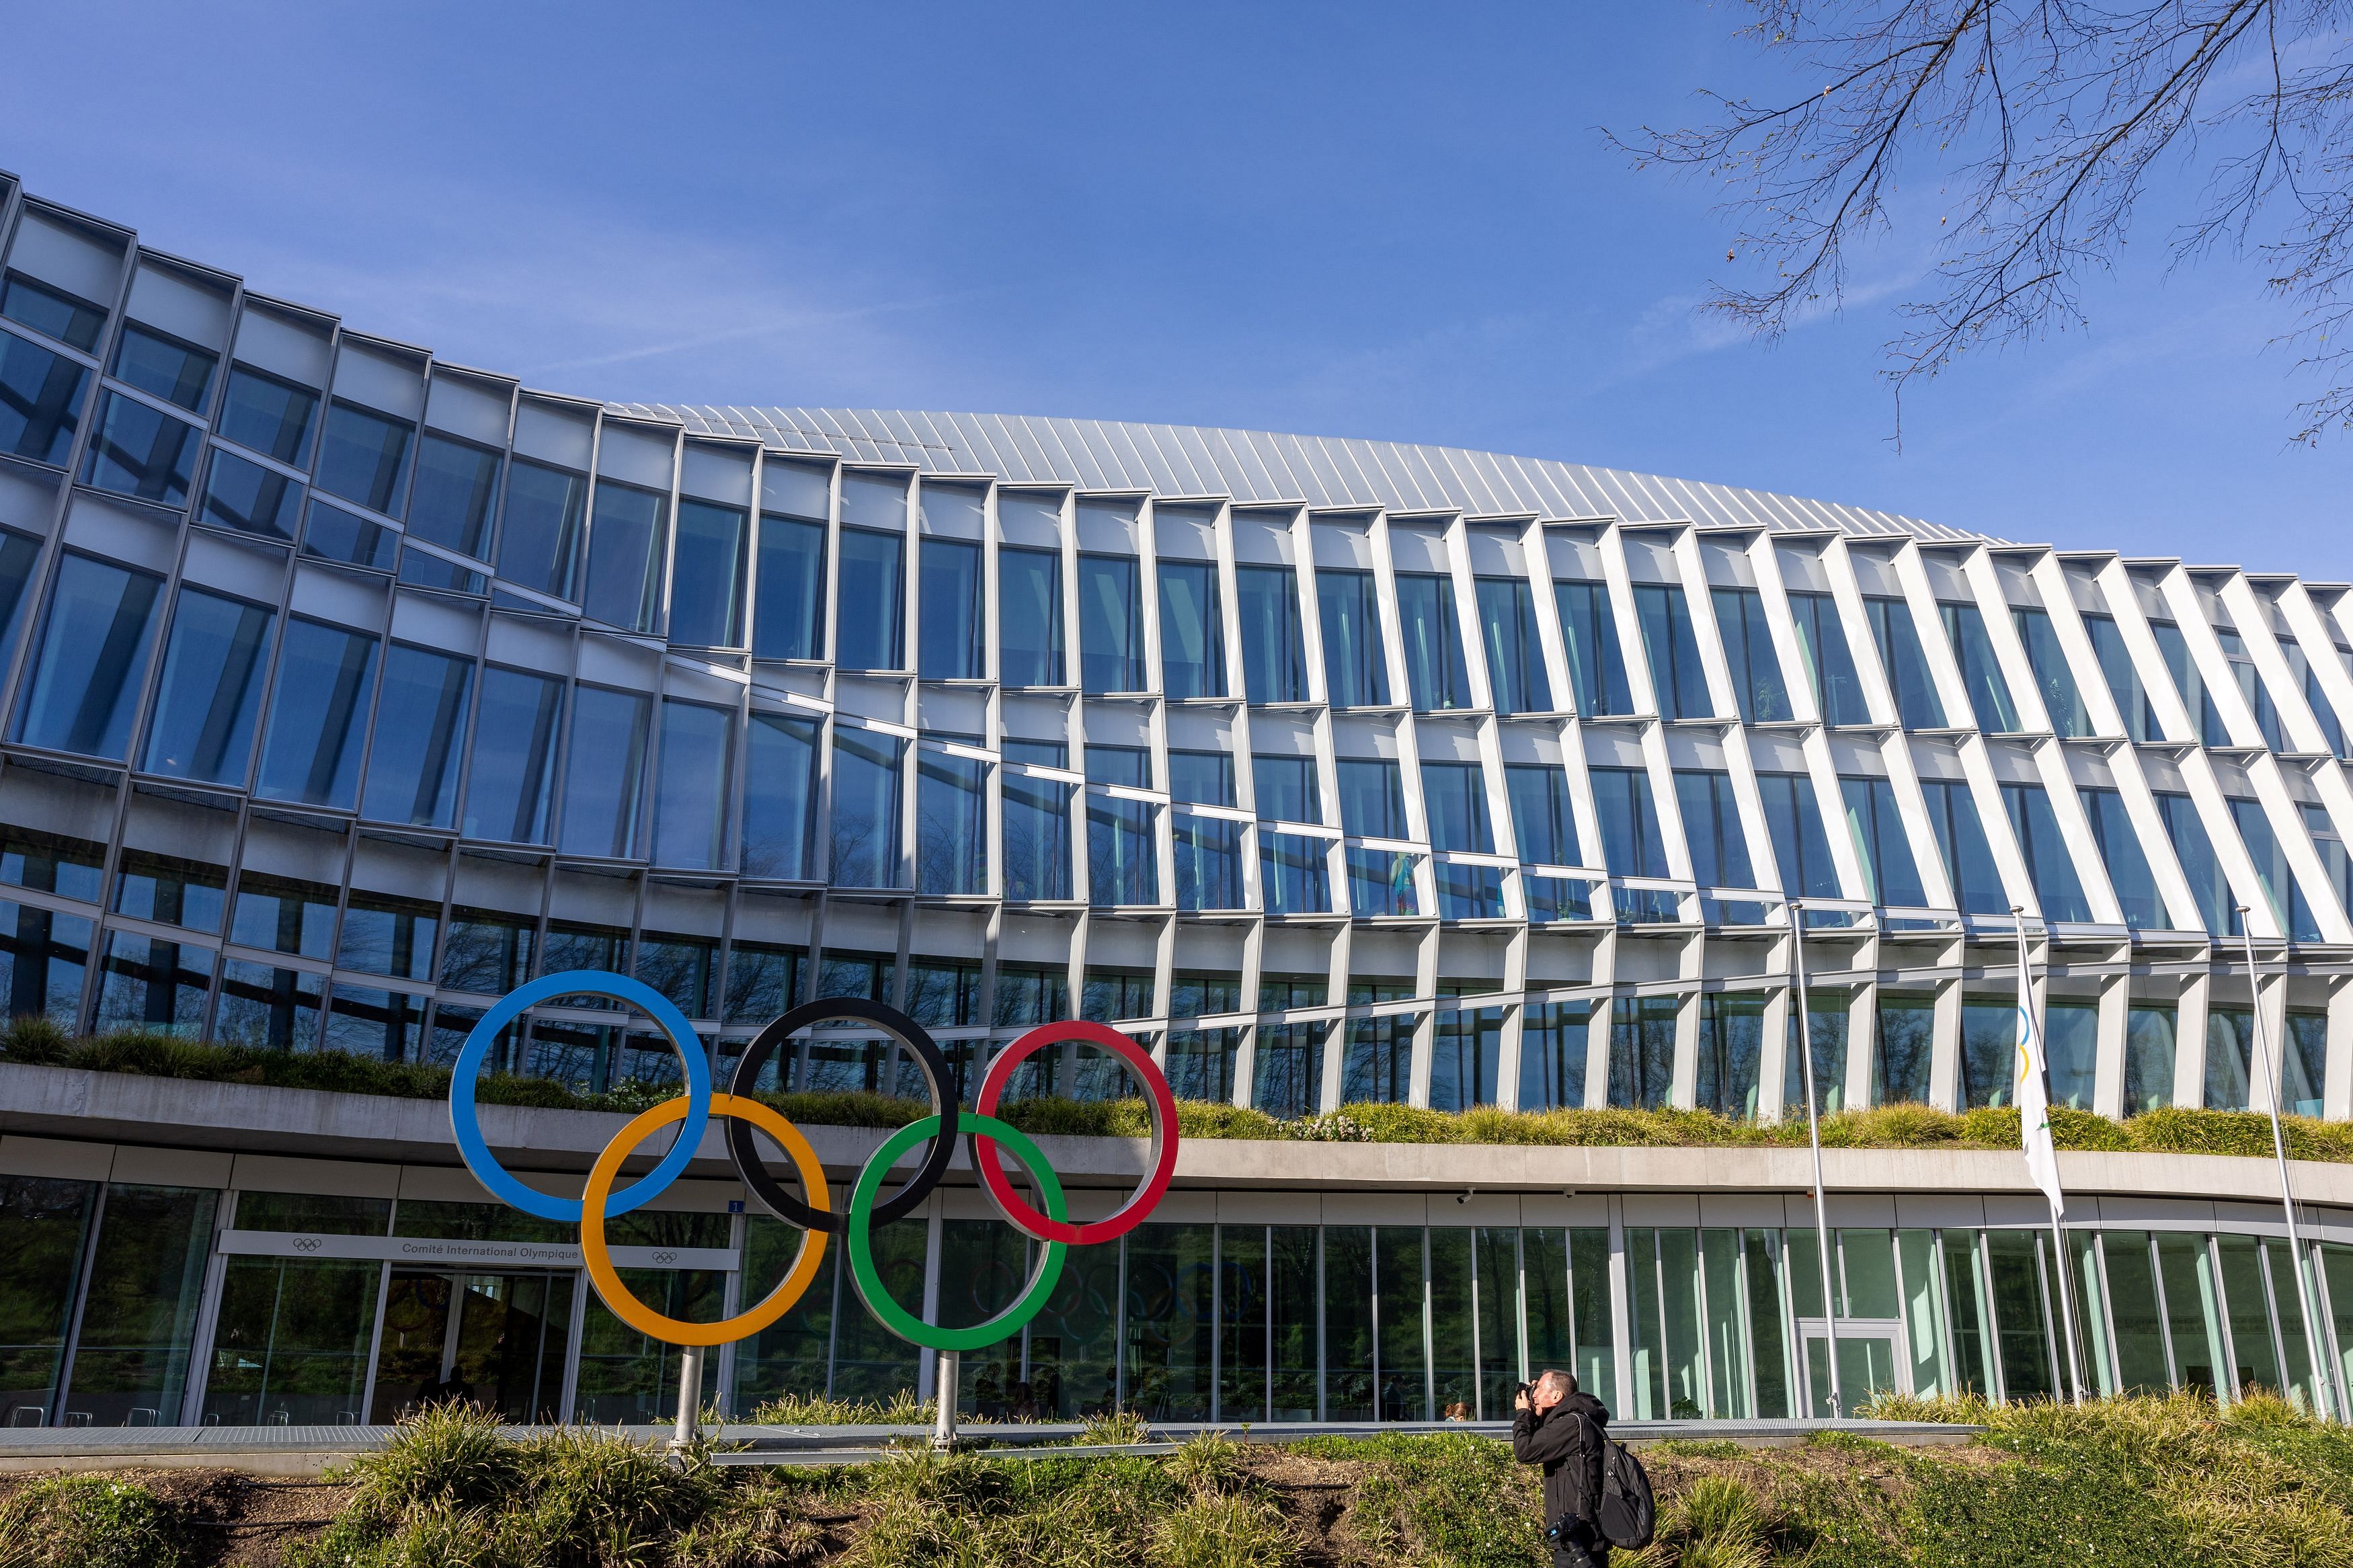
x,y
1561,1429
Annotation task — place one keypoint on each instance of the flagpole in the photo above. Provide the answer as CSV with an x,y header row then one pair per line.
x,y
2032,1062
2273,1069
1814,1140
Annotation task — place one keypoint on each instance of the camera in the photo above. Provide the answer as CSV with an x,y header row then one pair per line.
x,y
1520,1391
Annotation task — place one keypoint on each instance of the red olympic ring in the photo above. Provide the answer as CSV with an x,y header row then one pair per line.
x,y
990,1160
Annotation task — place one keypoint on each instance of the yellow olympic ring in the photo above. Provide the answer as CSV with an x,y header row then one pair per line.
x,y
599,1262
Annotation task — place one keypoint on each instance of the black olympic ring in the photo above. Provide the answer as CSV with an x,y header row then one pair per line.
x,y
910,1034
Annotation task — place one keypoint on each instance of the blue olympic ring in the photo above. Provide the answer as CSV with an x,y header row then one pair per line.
x,y
465,1122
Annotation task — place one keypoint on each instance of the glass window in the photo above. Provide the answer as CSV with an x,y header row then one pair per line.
x,y
1292,874
1122,866
64,317
334,534
788,619
1192,630
456,483
1711,813
1829,661
1980,671
2071,1044
51,862
624,550
311,751
154,987
487,952
2208,883
364,458
1275,645
1037,835
269,416
1028,616
284,916
1286,789
1469,892
1630,842
40,400
251,499
872,618
92,659
1372,798
2305,1064
2332,728
159,363
420,726
1597,662
1356,670
1889,875
2121,854
1515,667
2335,863
1757,683
2230,1046
507,792
1034,753
698,745
2124,679
951,823
866,808
1455,796
18,555
1126,765
949,596
1209,863
780,796
389,936
1436,675
211,691
146,1286
2175,649
171,891
1641,1051
1111,624
1901,1058
1201,778
43,959
430,569
2252,688
1961,839
2280,890
1672,645
2150,1048
142,452
2056,681
1793,816
2056,886
1542,818
604,767
1821,1045
1897,633
1731,1051
1381,882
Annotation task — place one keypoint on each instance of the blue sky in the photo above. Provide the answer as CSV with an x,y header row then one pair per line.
x,y
1377,220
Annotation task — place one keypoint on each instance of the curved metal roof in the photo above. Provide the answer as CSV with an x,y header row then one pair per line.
x,y
1259,466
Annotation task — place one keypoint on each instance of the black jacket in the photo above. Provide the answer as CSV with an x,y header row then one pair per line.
x,y
1569,1450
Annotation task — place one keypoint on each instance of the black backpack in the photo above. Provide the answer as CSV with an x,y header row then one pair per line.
x,y
1625,1513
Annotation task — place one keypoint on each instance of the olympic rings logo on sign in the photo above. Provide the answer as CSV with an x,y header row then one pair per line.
x,y
988,1139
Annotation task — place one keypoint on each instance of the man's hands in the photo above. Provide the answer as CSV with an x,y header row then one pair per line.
x,y
1520,1400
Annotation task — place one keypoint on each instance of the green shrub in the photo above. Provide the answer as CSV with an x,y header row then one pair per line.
x,y
90,1521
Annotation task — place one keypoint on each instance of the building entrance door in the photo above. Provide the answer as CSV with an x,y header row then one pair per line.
x,y
496,1340
1870,1360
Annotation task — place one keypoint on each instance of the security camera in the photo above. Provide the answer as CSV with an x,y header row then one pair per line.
x,y
1465,1196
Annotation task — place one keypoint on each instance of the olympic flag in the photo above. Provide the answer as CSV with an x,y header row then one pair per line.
x,y
2034,1110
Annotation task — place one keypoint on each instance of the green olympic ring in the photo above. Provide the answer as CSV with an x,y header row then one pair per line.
x,y
860,1237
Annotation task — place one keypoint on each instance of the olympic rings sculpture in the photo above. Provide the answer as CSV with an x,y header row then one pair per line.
x,y
989,1137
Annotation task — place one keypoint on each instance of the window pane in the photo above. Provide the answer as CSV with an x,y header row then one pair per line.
x,y
1597,664
780,796
1381,882
269,416
1435,676
1128,765
1541,816
949,645
1199,778
92,659
873,601
1037,834
1455,796
1192,630
1028,616
1356,671
311,751
1286,789
625,547
951,822
2280,890
420,725
144,453
211,691
1961,839
1111,624
1719,850
1515,667
389,936
789,618
1641,1051
507,792
2056,887
172,890
1900,1056
334,534
427,570
1757,683
2071,1040
456,482
866,808
1630,842
1469,892
1981,671
1877,829
2121,854
1800,845
1900,653
603,769
1372,798
2148,1058
698,743
1293,875
40,400
1673,647
1830,663
1275,651
1731,1053
251,499
63,316
2055,680
364,459
1121,865
154,986
154,363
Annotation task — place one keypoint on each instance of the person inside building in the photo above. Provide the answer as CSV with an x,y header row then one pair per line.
x,y
1560,1428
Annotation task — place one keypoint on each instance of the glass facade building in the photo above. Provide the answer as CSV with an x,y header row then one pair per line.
x,y
343,689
